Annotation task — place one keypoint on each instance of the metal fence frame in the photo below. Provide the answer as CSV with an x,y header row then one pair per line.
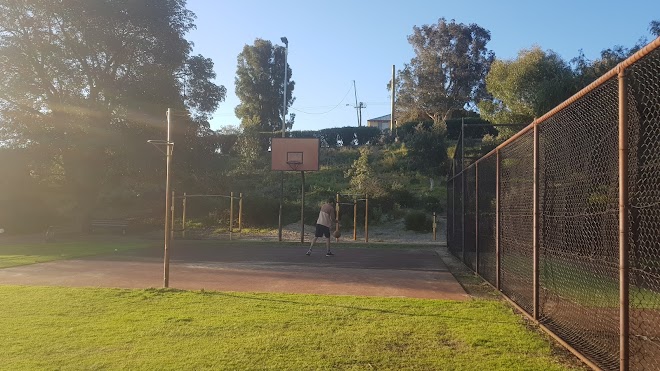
x,y
481,203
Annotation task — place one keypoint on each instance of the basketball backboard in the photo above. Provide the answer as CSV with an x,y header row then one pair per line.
x,y
295,154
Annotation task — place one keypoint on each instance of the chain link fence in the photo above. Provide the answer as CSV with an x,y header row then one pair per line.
x,y
540,218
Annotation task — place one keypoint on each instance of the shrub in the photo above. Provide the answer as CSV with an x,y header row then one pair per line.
x,y
418,221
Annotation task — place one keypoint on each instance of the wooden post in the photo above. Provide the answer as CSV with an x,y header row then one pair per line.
x,y
624,315
337,216
231,214
366,218
172,216
183,216
240,212
434,227
354,218
302,209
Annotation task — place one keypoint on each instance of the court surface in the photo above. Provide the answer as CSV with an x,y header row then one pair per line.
x,y
385,272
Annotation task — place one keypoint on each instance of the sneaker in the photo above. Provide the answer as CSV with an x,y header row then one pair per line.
x,y
329,253
308,253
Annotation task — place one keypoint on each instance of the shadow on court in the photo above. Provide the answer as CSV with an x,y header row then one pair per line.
x,y
387,272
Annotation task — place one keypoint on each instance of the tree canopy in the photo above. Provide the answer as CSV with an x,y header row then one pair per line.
x,y
86,83
447,73
526,87
260,86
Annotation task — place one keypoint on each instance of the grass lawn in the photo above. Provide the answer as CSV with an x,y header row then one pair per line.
x,y
70,328
23,254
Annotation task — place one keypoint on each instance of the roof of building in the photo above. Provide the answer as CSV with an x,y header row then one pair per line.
x,y
381,118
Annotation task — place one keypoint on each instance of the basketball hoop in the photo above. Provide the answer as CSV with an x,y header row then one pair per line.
x,y
294,165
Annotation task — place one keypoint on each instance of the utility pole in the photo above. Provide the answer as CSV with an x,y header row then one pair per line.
x,y
392,114
358,106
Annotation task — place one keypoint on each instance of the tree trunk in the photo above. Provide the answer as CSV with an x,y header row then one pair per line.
x,y
431,183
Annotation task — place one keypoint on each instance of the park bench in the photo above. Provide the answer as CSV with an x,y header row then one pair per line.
x,y
114,224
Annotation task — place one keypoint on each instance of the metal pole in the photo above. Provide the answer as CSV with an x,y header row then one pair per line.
x,y
183,217
172,217
231,213
354,219
240,212
166,254
453,211
497,219
302,209
462,145
284,86
463,194
535,225
366,218
476,217
624,317
279,219
337,216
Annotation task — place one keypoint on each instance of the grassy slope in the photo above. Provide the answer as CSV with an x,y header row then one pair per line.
x,y
156,329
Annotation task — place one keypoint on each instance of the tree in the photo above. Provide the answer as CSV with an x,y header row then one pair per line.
x,y
427,150
260,87
447,73
363,179
86,83
654,28
587,71
526,87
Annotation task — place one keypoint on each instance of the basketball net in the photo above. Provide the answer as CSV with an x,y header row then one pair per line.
x,y
294,165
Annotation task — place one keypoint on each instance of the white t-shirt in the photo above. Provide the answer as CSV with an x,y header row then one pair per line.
x,y
326,215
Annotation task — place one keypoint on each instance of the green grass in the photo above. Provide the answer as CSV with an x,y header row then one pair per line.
x,y
579,283
23,254
69,328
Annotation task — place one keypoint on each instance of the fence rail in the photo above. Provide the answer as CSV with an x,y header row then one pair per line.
x,y
564,218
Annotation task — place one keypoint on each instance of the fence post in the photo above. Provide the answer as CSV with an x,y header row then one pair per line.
x,y
497,219
231,213
623,224
354,218
535,224
366,218
463,187
476,217
337,216
453,212
434,227
183,217
240,212
302,208
172,216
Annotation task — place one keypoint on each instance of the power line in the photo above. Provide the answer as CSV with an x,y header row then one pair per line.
x,y
323,113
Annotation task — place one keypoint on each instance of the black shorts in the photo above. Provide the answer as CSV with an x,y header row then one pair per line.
x,y
322,231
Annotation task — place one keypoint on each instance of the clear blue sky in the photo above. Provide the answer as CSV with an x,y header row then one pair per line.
x,y
332,43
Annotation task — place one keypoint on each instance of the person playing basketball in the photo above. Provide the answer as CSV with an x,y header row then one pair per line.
x,y
323,225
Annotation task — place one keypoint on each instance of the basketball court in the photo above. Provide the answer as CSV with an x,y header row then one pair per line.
x,y
258,267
